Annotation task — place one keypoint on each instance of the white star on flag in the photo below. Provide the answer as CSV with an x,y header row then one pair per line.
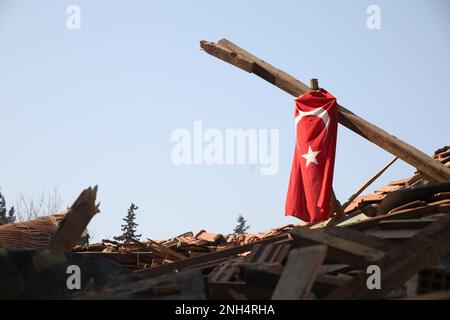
x,y
311,156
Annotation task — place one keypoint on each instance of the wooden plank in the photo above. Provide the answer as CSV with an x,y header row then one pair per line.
x,y
360,237
334,280
353,251
167,250
404,224
231,53
334,268
412,204
299,274
208,257
402,262
75,221
401,234
353,217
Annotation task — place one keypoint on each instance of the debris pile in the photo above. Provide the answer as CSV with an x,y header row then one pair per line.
x,y
402,228
406,234
134,254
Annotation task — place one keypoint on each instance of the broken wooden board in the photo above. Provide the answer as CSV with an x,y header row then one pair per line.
x,y
166,250
393,235
300,272
344,246
233,54
75,221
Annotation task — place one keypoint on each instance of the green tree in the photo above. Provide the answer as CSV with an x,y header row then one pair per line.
x,y
5,215
241,226
129,227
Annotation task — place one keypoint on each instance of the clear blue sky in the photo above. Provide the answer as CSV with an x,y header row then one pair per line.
x,y
98,105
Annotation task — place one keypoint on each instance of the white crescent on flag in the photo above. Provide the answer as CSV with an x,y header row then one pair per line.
x,y
319,112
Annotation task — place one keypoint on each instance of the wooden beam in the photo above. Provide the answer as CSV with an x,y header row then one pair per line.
x,y
404,224
314,84
401,263
75,221
298,276
368,183
360,237
166,250
231,53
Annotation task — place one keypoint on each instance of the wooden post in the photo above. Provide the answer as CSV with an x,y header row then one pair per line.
x,y
314,83
233,54
335,204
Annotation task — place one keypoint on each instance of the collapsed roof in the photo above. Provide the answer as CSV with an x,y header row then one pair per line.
x,y
402,227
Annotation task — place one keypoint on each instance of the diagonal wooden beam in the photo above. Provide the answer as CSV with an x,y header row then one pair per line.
x,y
231,53
368,183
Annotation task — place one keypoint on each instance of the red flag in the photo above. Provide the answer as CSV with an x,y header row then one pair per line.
x,y
309,191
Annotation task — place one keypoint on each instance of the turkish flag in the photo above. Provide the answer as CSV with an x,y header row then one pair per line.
x,y
309,193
